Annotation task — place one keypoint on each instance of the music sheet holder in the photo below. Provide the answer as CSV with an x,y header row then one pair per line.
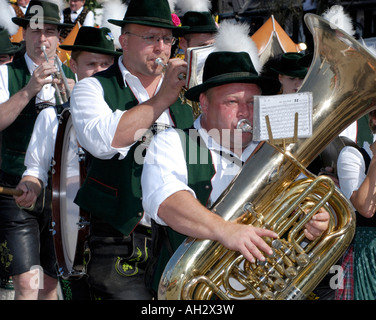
x,y
282,119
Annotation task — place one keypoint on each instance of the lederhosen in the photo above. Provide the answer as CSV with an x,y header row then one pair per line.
x,y
67,19
111,193
20,229
165,240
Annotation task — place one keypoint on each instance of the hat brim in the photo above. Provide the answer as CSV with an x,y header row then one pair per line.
x,y
267,85
91,49
14,48
150,23
296,74
23,22
189,30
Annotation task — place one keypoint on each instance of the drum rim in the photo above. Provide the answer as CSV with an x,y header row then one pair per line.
x,y
63,269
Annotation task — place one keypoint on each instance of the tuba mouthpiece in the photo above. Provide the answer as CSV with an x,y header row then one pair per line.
x,y
244,125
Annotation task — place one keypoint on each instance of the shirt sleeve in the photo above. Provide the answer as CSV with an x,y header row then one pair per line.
x,y
164,172
41,147
4,91
94,121
89,20
351,170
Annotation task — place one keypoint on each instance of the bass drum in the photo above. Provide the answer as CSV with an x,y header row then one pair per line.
x,y
70,223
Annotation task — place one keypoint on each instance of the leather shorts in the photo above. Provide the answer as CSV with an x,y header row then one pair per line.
x,y
25,237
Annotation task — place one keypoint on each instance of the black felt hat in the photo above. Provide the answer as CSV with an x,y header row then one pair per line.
x,y
6,46
224,67
154,13
197,22
97,40
41,12
290,66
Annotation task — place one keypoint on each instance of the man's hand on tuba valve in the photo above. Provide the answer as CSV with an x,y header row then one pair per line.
x,y
248,240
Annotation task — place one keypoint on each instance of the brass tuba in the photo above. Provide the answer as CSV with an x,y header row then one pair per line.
x,y
266,193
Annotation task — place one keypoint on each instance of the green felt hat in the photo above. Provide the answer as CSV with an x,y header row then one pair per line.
x,y
97,40
41,12
306,60
290,66
197,22
154,13
6,46
224,67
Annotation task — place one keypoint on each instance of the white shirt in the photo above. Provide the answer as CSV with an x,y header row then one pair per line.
x,y
165,169
351,168
351,131
89,20
41,147
95,122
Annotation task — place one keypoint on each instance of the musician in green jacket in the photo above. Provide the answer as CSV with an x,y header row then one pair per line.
x,y
25,89
177,191
112,113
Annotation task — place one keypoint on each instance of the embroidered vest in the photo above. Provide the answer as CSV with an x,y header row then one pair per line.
x,y
16,137
199,180
67,19
112,188
18,11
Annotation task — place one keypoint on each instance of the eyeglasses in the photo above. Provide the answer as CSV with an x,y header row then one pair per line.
x,y
151,40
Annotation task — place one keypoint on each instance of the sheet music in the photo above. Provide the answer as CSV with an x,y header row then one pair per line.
x,y
196,57
281,110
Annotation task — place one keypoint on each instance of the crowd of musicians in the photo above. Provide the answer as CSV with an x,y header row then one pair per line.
x,y
127,103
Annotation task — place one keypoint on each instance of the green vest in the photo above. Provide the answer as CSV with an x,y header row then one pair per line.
x,y
112,188
16,137
199,180
364,131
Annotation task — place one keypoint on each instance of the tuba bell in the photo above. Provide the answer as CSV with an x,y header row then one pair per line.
x,y
267,194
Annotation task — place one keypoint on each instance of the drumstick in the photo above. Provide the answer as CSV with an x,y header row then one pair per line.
x,y
11,192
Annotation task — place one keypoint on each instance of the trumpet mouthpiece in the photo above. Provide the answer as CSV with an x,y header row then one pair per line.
x,y
43,48
160,62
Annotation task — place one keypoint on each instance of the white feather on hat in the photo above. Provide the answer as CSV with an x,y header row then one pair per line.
x,y
339,19
6,14
172,4
184,6
235,38
113,9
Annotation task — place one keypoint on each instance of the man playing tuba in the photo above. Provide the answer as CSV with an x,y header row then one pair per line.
x,y
177,192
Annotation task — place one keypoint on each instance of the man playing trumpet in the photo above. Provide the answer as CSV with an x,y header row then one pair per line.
x,y
111,113
25,87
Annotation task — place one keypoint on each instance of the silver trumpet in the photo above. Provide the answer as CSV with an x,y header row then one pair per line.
x,y
159,61
194,105
62,96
